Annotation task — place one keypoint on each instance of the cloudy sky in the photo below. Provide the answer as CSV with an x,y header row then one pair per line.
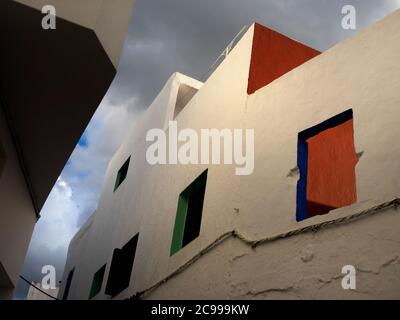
x,y
167,36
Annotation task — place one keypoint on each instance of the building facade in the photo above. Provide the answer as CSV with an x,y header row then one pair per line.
x,y
51,83
319,205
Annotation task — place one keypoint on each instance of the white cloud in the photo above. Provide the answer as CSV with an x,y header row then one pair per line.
x,y
88,164
59,218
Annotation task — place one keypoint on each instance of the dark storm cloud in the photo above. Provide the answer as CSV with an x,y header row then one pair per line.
x,y
187,36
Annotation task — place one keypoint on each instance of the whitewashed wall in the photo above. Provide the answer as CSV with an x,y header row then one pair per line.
x,y
362,73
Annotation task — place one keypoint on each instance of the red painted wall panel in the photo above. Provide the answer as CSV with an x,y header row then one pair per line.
x,y
273,55
331,181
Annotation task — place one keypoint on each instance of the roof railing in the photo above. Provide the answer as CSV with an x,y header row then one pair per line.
x,y
225,52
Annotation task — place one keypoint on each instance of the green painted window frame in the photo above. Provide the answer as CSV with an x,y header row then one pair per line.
x,y
122,174
97,282
182,209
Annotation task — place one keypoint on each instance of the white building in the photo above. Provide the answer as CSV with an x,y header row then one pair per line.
x,y
51,82
322,195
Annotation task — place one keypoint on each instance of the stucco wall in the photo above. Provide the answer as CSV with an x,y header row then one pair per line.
x,y
361,73
78,260
307,266
17,214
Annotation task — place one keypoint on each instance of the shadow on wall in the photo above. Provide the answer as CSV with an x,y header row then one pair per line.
x,y
2,158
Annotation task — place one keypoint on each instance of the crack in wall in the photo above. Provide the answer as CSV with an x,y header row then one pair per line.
x,y
377,271
254,243
269,290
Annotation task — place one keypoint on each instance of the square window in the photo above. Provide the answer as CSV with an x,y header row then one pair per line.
x,y
121,267
122,173
97,282
189,213
326,159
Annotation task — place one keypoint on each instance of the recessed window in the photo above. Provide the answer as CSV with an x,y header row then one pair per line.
x,y
185,94
68,284
326,159
97,282
122,173
121,267
189,213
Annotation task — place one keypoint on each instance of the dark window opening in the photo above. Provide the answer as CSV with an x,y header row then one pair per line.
x,y
326,159
189,213
68,284
122,173
97,282
121,267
